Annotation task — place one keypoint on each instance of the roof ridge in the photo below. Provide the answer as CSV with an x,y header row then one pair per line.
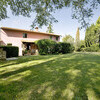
x,y
8,28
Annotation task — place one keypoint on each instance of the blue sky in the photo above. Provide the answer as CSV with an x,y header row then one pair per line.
x,y
65,25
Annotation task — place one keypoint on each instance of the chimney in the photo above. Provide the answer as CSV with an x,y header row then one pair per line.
x,y
36,29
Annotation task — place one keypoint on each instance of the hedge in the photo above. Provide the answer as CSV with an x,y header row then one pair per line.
x,y
11,51
65,48
47,46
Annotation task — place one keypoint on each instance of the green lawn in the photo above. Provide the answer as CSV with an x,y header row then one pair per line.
x,y
55,77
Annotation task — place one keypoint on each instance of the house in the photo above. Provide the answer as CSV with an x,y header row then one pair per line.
x,y
24,39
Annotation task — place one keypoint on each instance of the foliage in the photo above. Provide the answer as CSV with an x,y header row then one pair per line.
x,y
57,48
49,28
77,42
65,48
52,77
93,48
98,30
25,52
68,39
81,9
11,51
47,46
82,44
92,35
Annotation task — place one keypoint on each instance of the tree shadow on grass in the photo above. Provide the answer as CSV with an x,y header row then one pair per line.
x,y
23,59
28,66
64,78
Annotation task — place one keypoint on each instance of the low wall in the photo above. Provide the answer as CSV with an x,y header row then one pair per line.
x,y
2,54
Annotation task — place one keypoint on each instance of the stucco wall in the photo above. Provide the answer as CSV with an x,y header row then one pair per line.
x,y
16,37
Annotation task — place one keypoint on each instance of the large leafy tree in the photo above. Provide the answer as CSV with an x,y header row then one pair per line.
x,y
81,9
68,39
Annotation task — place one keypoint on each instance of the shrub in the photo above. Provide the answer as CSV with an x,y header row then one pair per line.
x,y
87,49
65,48
11,51
78,49
92,48
47,46
57,48
95,47
83,49
72,48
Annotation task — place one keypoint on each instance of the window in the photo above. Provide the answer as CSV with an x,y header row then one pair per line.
x,y
57,38
9,44
24,35
50,37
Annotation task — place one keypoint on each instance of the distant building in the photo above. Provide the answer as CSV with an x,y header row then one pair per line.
x,y
24,38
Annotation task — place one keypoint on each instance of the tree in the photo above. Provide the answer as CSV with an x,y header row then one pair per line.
x,y
81,9
98,30
82,44
92,35
68,39
77,42
49,28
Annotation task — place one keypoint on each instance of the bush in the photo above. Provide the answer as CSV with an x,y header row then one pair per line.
x,y
57,48
93,48
78,49
11,51
65,48
72,48
47,46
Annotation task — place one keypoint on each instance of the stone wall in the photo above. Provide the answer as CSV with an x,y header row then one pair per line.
x,y
2,54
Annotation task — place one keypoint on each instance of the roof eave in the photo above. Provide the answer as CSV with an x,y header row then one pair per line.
x,y
14,29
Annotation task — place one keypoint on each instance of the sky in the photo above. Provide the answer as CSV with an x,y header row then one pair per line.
x,y
65,26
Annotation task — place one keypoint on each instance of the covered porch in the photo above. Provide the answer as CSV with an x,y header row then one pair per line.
x,y
29,48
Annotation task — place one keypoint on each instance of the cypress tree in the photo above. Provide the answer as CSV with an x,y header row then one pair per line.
x,y
50,28
77,42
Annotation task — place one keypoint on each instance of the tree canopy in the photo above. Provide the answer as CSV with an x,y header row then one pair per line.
x,y
81,9
68,39
92,34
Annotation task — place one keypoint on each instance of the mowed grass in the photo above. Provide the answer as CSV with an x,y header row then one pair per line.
x,y
54,77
